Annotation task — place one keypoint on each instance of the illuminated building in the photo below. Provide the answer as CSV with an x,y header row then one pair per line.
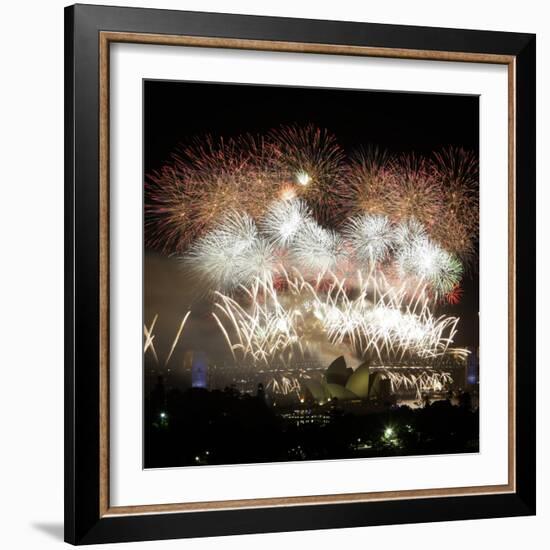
x,y
472,371
199,370
305,416
187,367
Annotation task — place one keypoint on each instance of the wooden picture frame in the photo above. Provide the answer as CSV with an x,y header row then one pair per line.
x,y
89,32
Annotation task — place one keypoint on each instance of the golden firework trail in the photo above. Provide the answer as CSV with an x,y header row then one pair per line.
x,y
174,344
149,337
392,326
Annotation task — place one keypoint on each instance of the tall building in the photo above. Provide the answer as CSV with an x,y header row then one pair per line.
x,y
187,368
199,370
472,371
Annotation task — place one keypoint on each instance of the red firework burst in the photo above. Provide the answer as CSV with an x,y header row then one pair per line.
x,y
455,295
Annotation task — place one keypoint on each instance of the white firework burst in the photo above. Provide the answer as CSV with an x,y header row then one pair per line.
x,y
409,231
284,220
427,261
315,249
371,237
231,254
257,262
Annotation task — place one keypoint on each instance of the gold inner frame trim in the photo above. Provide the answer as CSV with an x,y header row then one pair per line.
x,y
105,39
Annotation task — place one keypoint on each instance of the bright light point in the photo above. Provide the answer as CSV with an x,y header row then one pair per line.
x,y
303,178
427,262
388,432
302,400
163,415
197,458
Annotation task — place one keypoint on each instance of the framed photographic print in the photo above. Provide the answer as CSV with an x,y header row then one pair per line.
x,y
299,274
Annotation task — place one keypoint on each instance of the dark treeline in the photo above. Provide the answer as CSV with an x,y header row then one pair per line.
x,y
199,427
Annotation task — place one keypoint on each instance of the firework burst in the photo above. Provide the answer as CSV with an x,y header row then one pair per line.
x,y
168,225
409,231
456,171
231,254
371,238
416,193
428,262
368,185
316,250
231,175
314,160
299,246
455,295
203,182
284,220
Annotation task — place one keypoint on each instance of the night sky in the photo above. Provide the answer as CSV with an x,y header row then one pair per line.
x,y
176,112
